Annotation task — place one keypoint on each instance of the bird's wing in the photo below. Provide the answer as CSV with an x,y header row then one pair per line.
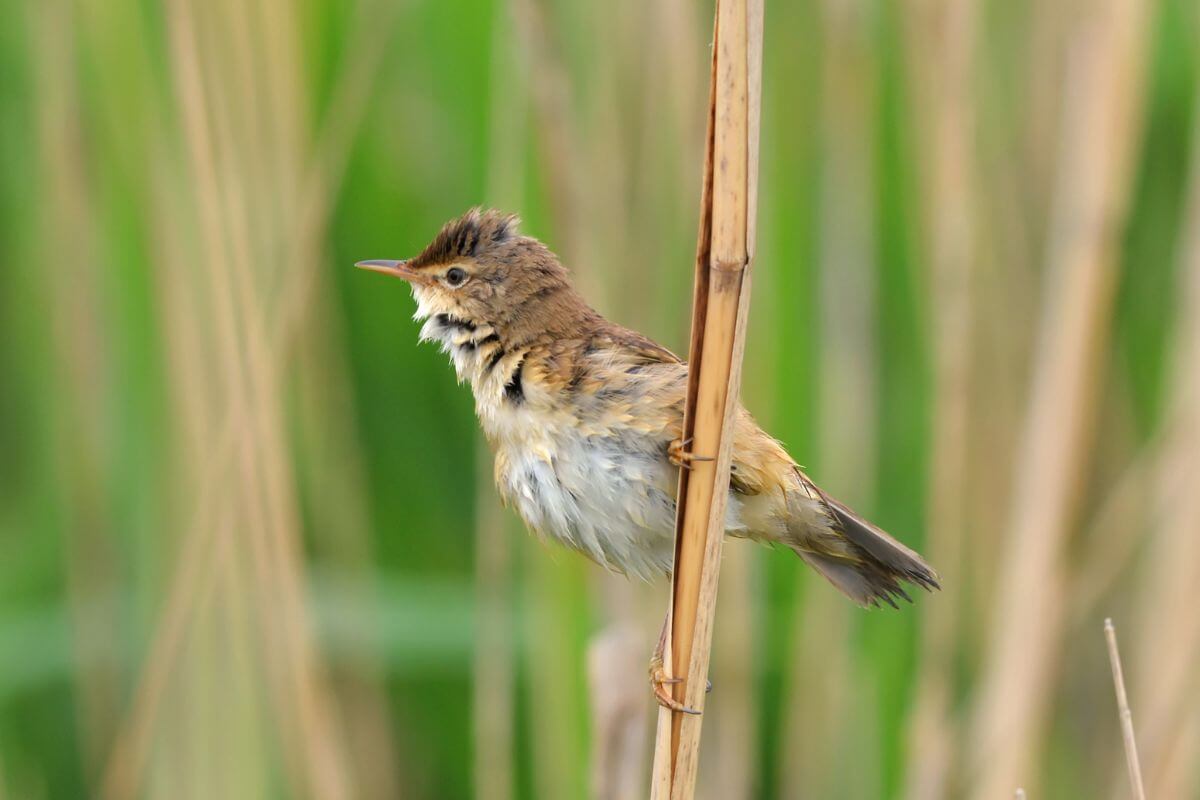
x,y
759,463
636,347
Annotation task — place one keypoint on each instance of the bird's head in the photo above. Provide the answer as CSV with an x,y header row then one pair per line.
x,y
480,273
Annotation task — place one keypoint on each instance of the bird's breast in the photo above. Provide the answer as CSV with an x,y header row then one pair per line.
x,y
607,494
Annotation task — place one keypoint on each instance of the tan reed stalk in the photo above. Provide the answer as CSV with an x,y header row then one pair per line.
x,y
646,149
82,364
1167,644
1109,532
821,669
721,303
848,306
196,98
729,770
302,703
631,208
1131,755
296,236
339,507
341,527
944,48
827,717
200,407
493,711
550,95
664,162
1007,263
553,662
1097,143
616,661
205,542
263,479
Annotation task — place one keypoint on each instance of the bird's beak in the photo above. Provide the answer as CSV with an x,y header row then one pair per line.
x,y
396,269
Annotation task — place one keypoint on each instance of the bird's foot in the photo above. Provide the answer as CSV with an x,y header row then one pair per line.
x,y
660,680
680,456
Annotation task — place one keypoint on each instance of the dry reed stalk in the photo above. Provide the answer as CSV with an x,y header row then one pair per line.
x,y
618,707
1097,143
606,156
493,710
189,588
947,37
1048,25
650,147
551,661
1109,533
219,207
821,674
205,541
1131,755
339,506
729,770
341,526
721,303
82,364
325,168
199,408
553,672
820,692
595,232
601,247
1006,279
196,125
550,95
1168,629
263,474
255,377
665,159
848,307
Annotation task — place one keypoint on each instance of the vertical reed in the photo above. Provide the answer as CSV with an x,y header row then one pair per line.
x,y
828,715
721,303
1098,138
1126,716
1167,643
943,45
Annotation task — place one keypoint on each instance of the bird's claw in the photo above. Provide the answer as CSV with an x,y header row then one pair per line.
x,y
659,681
680,456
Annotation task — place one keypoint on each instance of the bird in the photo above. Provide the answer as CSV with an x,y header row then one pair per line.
x,y
585,421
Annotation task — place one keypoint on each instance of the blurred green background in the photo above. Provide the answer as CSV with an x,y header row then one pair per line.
x,y
248,544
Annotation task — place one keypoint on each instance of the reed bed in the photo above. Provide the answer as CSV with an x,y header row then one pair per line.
x,y
248,545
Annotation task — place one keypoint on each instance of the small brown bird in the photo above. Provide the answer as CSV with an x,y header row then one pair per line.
x,y
585,418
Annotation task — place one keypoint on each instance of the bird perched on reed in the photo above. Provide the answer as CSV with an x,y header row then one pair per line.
x,y
585,419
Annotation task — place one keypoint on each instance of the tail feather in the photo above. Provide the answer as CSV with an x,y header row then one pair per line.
x,y
888,553
857,579
876,566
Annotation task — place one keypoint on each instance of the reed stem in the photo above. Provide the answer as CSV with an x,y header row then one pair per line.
x,y
1131,754
720,305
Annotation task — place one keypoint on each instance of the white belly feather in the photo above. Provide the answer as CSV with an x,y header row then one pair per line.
x,y
609,495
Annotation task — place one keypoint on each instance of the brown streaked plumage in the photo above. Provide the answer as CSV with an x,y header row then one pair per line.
x,y
585,417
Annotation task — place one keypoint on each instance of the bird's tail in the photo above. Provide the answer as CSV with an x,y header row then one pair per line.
x,y
874,567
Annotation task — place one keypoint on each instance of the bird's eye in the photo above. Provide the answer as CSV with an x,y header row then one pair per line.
x,y
456,276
